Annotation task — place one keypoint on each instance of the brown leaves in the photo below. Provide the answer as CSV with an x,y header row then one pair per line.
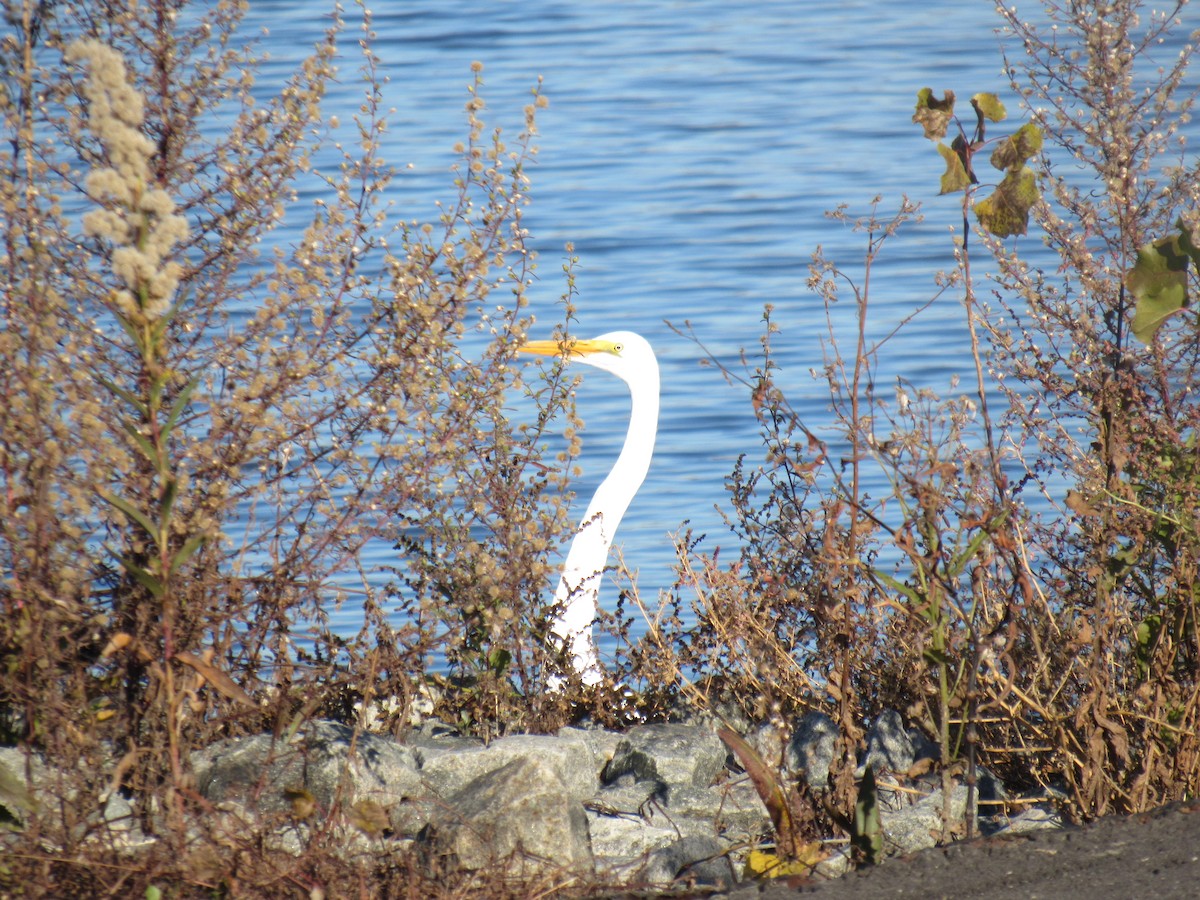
x,y
782,803
206,672
218,678
932,114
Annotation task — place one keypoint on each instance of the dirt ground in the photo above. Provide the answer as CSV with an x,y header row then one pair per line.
x,y
1154,854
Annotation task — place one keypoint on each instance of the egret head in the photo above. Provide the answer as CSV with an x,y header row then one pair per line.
x,y
624,353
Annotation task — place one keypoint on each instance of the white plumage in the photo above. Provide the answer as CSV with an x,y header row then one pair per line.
x,y
630,357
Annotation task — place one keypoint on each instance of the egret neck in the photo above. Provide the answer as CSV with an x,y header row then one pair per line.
x,y
628,356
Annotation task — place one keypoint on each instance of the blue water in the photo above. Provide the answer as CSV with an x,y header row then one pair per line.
x,y
689,152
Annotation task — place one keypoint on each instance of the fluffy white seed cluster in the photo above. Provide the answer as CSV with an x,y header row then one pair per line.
x,y
139,220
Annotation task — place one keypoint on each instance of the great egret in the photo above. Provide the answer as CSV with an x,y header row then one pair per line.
x,y
630,358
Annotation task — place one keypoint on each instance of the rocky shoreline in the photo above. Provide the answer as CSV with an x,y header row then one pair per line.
x,y
660,805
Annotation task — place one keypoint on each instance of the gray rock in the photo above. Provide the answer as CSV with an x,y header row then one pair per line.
x,y
991,799
810,752
324,758
923,747
433,739
521,813
837,864
102,816
661,804
772,744
1036,818
731,809
633,818
696,860
739,814
16,793
627,797
622,843
602,744
121,829
673,755
889,746
920,825
569,755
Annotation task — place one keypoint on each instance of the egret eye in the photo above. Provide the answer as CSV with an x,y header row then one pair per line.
x,y
618,348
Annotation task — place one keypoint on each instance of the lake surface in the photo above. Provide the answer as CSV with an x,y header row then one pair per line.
x,y
689,152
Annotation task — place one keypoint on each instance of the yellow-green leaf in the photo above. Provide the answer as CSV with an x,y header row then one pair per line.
x,y
181,403
899,587
170,492
1006,211
146,579
128,397
990,107
140,440
184,553
1158,280
955,178
1016,149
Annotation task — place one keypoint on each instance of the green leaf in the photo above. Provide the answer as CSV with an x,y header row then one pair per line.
x,y
1006,211
131,512
1146,635
1147,631
899,587
498,660
184,553
1158,280
149,581
1122,560
936,657
129,328
158,330
868,831
934,115
128,397
141,441
990,107
959,563
170,492
955,178
169,316
1016,149
181,403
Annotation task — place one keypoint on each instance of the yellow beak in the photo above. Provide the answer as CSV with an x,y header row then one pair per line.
x,y
570,347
